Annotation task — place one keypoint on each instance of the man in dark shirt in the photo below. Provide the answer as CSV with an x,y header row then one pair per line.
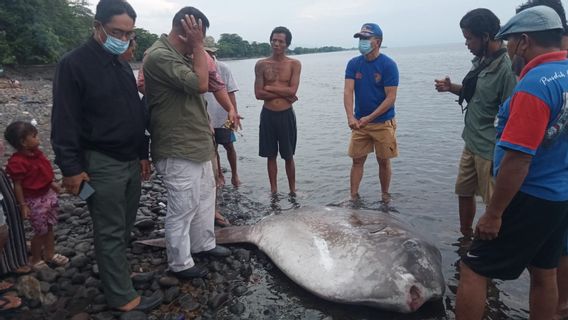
x,y
98,126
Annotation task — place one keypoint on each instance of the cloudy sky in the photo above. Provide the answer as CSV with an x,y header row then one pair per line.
x,y
316,23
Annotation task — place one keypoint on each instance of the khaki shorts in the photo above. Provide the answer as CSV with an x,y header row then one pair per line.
x,y
380,137
475,176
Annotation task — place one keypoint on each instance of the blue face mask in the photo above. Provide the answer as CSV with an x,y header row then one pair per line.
x,y
365,46
114,45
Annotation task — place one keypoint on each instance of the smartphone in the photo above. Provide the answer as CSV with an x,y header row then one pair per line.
x,y
86,190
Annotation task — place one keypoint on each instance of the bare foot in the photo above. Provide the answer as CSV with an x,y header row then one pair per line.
x,y
386,197
220,180
131,305
8,302
220,220
235,181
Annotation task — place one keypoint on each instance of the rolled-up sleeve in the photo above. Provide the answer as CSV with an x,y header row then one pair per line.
x,y
163,66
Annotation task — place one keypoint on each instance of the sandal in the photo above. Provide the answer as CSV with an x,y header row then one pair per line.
x,y
25,269
58,260
5,286
39,265
9,303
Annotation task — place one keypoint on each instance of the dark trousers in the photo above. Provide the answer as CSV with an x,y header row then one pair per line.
x,y
113,209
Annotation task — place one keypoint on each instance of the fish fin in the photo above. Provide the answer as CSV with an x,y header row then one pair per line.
x,y
235,234
158,242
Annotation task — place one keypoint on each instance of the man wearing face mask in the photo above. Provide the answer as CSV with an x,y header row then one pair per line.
x,y
484,88
98,126
372,78
525,223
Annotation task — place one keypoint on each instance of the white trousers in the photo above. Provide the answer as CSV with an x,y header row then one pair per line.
x,y
191,210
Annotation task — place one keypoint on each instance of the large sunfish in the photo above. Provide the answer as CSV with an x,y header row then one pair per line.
x,y
349,256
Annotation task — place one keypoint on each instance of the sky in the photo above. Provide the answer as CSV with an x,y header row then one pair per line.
x,y
317,23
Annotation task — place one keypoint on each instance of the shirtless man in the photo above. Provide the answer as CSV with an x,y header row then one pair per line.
x,y
276,82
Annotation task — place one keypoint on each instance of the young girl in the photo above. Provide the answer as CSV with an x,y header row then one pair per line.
x,y
35,191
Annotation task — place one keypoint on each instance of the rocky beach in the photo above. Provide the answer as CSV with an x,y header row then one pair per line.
x,y
74,291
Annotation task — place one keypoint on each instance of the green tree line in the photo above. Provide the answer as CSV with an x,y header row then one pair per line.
x,y
41,31
233,46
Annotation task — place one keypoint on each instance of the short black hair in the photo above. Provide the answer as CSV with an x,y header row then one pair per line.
x,y
556,5
546,39
285,31
106,9
190,11
481,21
17,131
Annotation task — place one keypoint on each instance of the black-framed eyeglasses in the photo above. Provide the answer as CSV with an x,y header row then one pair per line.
x,y
120,34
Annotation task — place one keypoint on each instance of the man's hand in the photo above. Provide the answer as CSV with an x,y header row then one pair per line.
x,y
235,119
73,184
353,123
364,121
145,169
292,99
193,32
443,85
488,226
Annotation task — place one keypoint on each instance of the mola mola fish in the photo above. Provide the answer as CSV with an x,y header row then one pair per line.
x,y
349,256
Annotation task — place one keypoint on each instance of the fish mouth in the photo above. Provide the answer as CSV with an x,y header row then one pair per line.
x,y
415,298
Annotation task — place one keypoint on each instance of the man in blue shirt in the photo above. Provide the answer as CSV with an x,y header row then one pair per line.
x,y
372,78
524,225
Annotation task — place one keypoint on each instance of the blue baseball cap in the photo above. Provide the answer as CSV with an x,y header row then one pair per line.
x,y
538,18
369,30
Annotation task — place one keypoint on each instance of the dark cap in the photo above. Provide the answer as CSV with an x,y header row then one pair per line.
x,y
369,30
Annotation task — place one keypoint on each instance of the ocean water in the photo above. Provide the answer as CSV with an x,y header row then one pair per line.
x,y
430,144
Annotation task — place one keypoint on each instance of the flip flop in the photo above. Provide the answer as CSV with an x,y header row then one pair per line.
x,y
39,265
5,286
58,260
7,300
25,269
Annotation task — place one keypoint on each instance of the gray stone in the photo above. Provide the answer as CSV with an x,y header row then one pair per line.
x,y
80,261
133,315
237,308
47,274
145,224
239,290
81,316
143,277
168,282
45,286
29,287
218,300
83,247
188,303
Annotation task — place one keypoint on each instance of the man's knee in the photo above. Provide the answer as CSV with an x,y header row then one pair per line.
x,y
542,277
229,147
359,162
383,163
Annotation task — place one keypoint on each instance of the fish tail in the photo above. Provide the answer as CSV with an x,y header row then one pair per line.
x,y
234,234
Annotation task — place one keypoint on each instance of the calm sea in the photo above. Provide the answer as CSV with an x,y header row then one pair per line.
x,y
429,136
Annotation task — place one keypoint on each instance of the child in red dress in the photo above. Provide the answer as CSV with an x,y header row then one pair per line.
x,y
35,191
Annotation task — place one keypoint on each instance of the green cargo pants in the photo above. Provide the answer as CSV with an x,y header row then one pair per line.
x,y
113,209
